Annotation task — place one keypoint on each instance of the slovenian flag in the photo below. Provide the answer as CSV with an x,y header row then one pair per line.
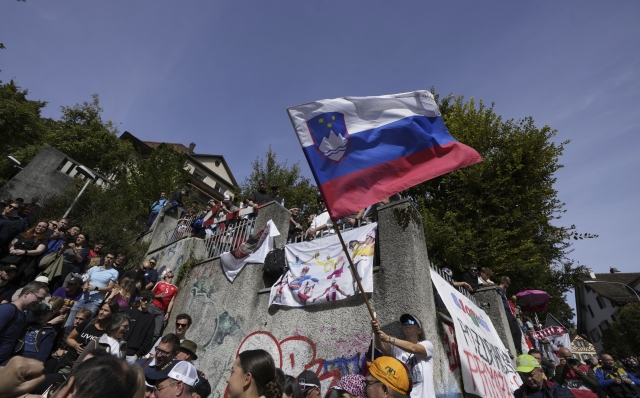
x,y
362,150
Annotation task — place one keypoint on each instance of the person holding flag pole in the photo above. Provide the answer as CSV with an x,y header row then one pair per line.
x,y
362,150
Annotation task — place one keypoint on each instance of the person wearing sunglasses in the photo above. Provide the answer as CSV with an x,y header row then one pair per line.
x,y
165,293
415,352
183,323
13,318
139,337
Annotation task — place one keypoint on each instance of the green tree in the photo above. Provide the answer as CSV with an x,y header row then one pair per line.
x,y
20,126
622,339
294,187
80,133
501,213
117,213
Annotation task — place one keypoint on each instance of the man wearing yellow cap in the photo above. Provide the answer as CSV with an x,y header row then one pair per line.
x,y
535,386
387,378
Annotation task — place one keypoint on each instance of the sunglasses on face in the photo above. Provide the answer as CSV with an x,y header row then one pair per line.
x,y
410,322
144,300
181,325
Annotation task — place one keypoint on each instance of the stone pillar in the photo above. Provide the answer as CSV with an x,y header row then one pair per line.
x,y
404,283
491,301
163,224
280,216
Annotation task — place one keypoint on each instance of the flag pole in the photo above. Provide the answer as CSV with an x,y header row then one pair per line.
x,y
354,271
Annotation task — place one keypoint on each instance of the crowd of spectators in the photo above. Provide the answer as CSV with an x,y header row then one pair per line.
x,y
66,301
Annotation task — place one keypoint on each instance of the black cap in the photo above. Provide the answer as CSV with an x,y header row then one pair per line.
x,y
202,387
308,380
9,267
275,186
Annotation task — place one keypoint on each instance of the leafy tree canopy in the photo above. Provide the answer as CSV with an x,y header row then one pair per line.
x,y
294,187
502,213
622,339
115,213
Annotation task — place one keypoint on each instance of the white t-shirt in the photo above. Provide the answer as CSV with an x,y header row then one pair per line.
x,y
320,220
421,367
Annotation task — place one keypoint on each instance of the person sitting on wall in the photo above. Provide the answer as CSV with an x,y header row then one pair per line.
x,y
471,277
321,222
416,352
156,207
175,201
259,197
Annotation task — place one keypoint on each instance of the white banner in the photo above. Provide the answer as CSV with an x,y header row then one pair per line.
x,y
487,370
319,270
232,265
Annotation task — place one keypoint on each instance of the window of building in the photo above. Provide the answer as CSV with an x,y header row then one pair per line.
x,y
198,176
601,303
595,335
587,288
217,163
590,311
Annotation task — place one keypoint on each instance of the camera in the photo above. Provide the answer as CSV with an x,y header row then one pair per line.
x,y
572,361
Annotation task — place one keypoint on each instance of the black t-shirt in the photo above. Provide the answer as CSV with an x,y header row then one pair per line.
x,y
6,292
88,331
260,198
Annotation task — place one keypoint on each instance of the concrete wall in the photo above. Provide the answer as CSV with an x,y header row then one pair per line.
x,y
491,299
39,178
329,338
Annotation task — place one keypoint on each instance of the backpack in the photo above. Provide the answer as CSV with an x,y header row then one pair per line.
x,y
275,263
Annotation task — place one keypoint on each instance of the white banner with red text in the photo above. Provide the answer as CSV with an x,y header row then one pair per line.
x,y
486,367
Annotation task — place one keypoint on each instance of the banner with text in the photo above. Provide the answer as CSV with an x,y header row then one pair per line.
x,y
486,367
319,270
551,340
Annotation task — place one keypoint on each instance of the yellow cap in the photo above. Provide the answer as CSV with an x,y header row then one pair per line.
x,y
391,372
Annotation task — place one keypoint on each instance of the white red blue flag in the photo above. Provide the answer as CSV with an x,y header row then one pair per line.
x,y
362,150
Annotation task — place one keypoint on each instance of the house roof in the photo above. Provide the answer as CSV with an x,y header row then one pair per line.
x,y
614,291
147,146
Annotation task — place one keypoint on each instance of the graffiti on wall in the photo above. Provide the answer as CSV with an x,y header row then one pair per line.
x,y
171,257
450,382
295,354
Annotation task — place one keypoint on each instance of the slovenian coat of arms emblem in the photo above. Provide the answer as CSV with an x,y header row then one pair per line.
x,y
330,135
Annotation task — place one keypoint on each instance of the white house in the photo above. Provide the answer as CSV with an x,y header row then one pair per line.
x,y
599,299
210,174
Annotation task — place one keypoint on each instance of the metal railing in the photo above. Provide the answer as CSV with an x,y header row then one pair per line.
x,y
344,226
228,236
221,236
460,289
182,230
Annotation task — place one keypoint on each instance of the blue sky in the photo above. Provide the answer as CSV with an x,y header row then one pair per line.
x,y
221,74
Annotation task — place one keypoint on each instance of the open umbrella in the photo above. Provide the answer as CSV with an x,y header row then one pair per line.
x,y
533,300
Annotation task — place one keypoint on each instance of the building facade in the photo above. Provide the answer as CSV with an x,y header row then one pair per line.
x,y
210,176
599,299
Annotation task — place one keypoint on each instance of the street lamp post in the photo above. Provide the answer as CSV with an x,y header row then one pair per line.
x,y
90,177
617,283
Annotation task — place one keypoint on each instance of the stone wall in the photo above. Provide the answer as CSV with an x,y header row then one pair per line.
x,y
39,178
329,338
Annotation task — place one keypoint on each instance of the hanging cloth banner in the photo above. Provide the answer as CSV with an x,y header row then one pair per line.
x,y
254,250
319,271
486,367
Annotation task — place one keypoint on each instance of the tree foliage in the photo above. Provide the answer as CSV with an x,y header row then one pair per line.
x,y
294,187
502,213
115,213
80,133
622,340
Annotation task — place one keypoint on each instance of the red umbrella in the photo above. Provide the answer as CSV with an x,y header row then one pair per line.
x,y
533,300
